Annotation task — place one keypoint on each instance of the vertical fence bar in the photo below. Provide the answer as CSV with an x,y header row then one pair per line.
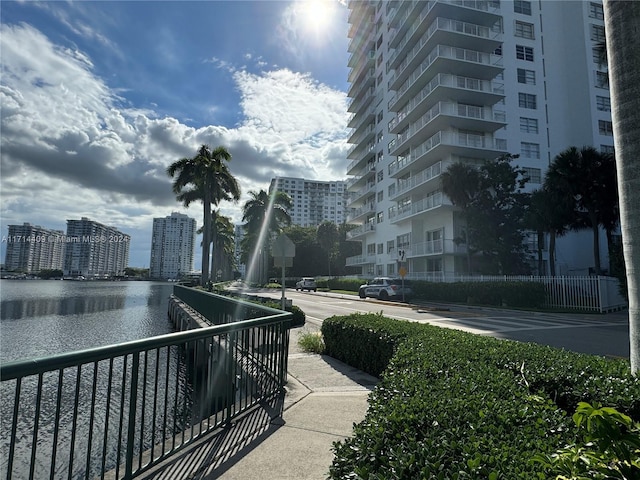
x,y
131,428
106,420
56,425
91,416
36,422
76,402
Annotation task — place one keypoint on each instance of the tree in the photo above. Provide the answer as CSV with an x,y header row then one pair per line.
x,y
588,178
327,235
223,240
264,214
622,19
493,205
206,178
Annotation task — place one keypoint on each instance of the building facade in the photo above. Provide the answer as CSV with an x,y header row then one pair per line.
x,y
313,201
32,248
437,82
94,250
172,246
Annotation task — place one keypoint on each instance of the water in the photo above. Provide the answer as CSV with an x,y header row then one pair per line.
x,y
39,318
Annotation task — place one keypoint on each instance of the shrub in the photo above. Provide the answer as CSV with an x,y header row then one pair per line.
x,y
608,446
456,405
311,342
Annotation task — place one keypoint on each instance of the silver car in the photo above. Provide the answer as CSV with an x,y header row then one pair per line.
x,y
386,288
307,283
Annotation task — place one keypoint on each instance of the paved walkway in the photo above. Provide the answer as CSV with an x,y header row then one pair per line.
x,y
324,398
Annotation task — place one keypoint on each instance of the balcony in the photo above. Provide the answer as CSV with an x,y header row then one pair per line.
x,y
363,176
445,86
361,230
449,142
360,62
444,30
454,60
456,115
360,260
364,93
357,213
358,118
356,196
358,137
425,204
404,186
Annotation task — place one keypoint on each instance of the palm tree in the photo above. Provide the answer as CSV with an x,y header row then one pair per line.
x,y
327,235
223,239
588,177
623,54
205,177
264,214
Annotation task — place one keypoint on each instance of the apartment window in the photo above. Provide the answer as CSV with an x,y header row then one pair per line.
x,y
380,195
392,211
597,33
391,246
528,125
608,149
371,249
603,103
380,248
534,175
524,30
403,241
602,80
380,137
596,11
380,218
527,100
524,53
530,150
380,116
380,175
605,127
391,269
526,76
522,6
392,190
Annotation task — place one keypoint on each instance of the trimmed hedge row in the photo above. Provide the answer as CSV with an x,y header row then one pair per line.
x,y
457,405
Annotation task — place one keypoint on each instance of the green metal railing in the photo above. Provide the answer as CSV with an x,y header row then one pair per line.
x,y
119,410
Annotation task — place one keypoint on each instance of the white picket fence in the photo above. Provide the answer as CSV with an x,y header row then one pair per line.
x,y
591,293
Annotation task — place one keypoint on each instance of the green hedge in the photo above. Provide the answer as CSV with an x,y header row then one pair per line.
x,y
457,405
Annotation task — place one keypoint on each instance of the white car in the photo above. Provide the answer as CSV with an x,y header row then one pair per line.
x,y
386,288
306,283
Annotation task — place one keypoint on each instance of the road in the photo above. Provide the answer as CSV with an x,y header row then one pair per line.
x,y
599,334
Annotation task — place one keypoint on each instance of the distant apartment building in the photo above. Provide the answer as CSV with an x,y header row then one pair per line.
x,y
437,82
32,248
172,246
94,250
313,201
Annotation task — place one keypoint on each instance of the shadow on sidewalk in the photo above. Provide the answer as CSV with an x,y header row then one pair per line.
x,y
211,456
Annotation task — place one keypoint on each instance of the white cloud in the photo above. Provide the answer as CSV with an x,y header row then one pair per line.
x,y
72,147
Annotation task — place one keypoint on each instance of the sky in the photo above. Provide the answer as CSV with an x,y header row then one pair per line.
x,y
97,98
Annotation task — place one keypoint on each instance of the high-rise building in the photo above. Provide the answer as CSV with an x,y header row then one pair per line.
x,y
443,81
172,246
32,248
94,250
313,201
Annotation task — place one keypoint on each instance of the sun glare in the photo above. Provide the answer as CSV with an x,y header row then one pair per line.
x,y
316,14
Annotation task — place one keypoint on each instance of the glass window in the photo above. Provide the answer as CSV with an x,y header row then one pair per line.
x,y
526,76
596,11
380,248
527,100
605,127
380,217
530,150
522,6
603,103
534,174
602,80
524,30
524,53
607,149
597,33
528,125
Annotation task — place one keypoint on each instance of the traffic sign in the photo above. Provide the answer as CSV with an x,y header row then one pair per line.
x,y
402,272
283,247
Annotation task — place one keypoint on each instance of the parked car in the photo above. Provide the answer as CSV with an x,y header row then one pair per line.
x,y
307,283
385,288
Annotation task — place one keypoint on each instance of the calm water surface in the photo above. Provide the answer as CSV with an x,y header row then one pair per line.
x,y
45,317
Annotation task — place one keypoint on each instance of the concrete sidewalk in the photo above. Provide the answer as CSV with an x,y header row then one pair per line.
x,y
324,398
